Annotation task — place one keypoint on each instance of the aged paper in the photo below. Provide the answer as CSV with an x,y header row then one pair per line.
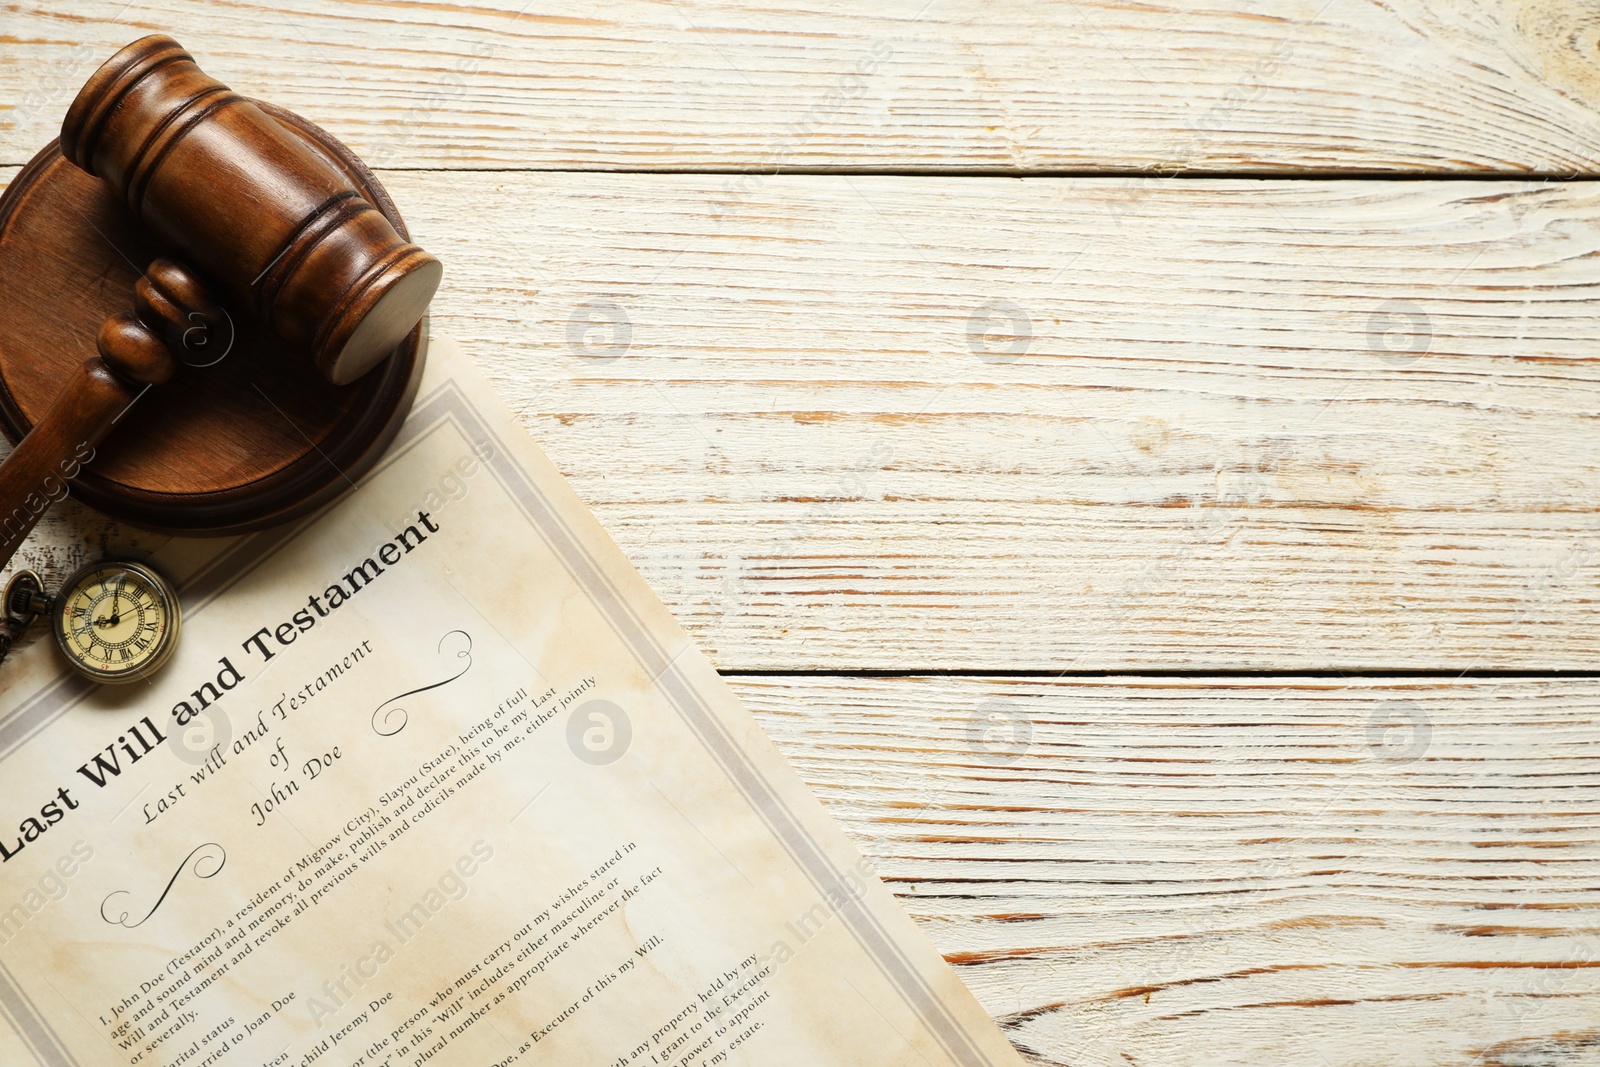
x,y
434,778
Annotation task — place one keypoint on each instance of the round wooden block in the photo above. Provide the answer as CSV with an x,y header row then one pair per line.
x,y
257,439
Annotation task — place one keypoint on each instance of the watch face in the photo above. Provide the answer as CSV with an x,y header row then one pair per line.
x,y
116,621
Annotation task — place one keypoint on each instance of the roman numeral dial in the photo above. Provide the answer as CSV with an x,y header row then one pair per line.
x,y
116,621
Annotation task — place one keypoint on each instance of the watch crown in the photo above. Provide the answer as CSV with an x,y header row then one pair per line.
x,y
25,598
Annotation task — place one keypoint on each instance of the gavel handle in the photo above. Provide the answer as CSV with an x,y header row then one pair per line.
x,y
136,352
36,473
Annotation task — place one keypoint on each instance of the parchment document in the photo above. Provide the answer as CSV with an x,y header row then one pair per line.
x,y
434,778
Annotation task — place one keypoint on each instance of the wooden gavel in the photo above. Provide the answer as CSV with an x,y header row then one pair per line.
x,y
282,234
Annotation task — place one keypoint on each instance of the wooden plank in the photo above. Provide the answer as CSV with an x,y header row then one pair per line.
x,y
1207,456
1275,425
1242,871
940,85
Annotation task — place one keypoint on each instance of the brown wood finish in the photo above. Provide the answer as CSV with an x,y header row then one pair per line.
x,y
262,436
174,313
267,218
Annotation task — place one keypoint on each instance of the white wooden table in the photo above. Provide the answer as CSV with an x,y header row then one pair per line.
x,y
1176,568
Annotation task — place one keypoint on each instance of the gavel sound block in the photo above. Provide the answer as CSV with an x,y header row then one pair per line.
x,y
261,213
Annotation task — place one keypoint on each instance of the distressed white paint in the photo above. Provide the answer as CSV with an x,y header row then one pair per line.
x,y
941,85
1205,457
1201,456
1233,871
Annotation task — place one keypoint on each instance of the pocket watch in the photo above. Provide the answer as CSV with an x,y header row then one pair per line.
x,y
115,621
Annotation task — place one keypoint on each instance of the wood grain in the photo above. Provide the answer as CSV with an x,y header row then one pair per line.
x,y
1232,870
1219,449
245,443
1249,425
276,219
1277,425
940,85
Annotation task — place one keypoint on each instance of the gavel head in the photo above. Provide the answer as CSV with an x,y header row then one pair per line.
x,y
267,220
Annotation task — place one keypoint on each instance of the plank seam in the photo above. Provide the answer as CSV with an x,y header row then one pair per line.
x,y
1130,672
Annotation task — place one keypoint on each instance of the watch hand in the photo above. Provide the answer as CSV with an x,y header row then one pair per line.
x,y
112,619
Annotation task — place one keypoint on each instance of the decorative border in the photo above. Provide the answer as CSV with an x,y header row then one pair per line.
x,y
448,405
